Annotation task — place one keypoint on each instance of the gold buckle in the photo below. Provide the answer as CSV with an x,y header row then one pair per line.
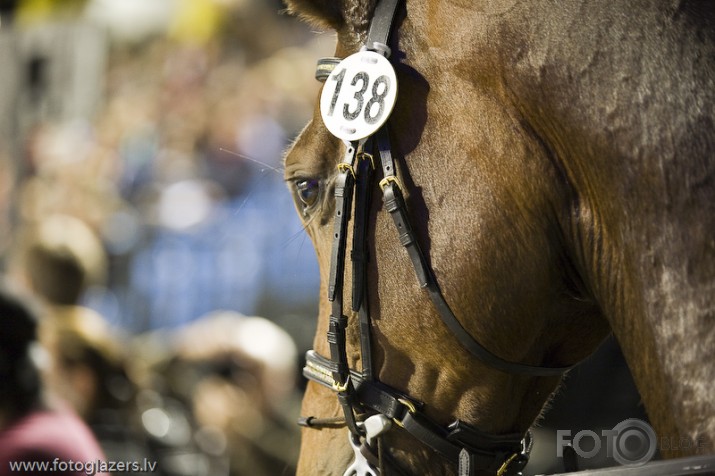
x,y
366,155
344,167
502,469
390,178
411,408
340,387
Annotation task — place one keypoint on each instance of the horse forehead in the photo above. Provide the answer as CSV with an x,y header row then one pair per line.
x,y
314,151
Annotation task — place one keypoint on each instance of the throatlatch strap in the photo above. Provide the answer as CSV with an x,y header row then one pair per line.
x,y
395,205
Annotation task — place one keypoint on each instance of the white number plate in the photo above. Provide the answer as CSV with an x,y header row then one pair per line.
x,y
358,96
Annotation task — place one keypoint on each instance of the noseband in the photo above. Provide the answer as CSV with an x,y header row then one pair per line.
x,y
370,407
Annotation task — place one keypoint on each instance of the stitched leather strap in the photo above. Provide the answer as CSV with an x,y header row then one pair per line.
x,y
344,182
340,369
381,25
359,254
484,451
395,205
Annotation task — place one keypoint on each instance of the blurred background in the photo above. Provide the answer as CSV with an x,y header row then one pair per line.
x,y
142,202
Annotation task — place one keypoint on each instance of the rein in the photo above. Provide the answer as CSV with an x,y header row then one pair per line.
x,y
369,406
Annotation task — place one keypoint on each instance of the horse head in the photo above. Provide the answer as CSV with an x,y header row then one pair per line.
x,y
559,180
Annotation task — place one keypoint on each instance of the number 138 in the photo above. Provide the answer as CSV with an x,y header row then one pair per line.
x,y
374,108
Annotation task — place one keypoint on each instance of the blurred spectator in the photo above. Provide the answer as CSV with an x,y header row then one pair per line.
x,y
69,174
30,430
232,379
88,370
58,258
256,344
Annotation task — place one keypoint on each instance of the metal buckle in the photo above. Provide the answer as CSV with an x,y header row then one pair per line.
x,y
340,387
345,167
366,155
390,179
411,408
503,468
520,458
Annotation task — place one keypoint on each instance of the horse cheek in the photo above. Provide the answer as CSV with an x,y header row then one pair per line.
x,y
323,451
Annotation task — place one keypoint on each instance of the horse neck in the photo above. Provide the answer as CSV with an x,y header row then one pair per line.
x,y
628,115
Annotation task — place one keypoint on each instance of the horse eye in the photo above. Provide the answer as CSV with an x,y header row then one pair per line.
x,y
308,192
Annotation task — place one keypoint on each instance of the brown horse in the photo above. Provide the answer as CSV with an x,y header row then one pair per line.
x,y
558,164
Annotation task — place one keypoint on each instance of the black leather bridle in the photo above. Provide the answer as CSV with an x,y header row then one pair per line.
x,y
360,393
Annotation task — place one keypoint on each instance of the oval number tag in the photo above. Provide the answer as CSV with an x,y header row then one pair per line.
x,y
358,96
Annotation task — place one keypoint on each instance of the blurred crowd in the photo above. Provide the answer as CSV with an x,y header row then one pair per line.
x,y
143,214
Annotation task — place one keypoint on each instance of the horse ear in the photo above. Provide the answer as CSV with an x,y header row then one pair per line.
x,y
324,13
